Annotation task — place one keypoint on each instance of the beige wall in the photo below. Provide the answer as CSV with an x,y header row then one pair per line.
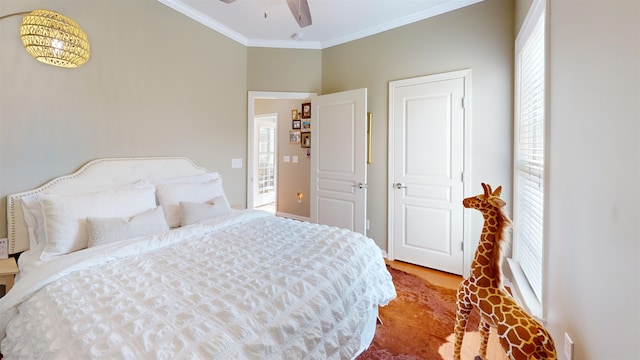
x,y
479,37
593,253
290,70
157,83
291,177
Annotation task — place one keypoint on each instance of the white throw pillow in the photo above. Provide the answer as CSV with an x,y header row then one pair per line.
x,y
109,229
170,195
194,212
32,211
65,214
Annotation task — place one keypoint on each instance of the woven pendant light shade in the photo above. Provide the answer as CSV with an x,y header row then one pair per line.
x,y
54,39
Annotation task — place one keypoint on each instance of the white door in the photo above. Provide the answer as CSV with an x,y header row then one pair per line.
x,y
338,160
264,168
426,164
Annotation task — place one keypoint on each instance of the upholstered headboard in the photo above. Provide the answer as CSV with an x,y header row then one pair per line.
x,y
95,175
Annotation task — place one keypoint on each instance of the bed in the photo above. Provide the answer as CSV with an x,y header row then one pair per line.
x,y
131,258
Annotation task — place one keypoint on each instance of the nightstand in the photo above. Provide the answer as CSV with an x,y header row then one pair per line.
x,y
8,269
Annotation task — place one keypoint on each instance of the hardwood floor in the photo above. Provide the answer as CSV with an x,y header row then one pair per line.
x,y
435,277
471,342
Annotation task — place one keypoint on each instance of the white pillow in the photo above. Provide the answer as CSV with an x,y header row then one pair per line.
x,y
194,212
34,218
109,229
32,211
65,214
170,195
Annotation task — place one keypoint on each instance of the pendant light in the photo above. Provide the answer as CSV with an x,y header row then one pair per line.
x,y
54,39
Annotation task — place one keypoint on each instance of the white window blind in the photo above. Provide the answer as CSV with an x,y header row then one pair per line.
x,y
529,153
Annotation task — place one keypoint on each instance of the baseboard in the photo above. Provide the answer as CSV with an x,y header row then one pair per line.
x,y
293,216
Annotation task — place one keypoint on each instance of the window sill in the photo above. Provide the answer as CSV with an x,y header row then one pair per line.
x,y
522,291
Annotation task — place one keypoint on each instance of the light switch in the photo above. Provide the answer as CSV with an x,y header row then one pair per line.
x,y
295,159
286,158
236,163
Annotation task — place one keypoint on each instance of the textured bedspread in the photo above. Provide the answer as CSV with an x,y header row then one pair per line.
x,y
249,286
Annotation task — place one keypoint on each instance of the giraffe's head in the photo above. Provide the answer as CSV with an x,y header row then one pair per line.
x,y
487,201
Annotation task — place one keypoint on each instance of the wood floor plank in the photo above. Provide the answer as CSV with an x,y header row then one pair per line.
x,y
471,342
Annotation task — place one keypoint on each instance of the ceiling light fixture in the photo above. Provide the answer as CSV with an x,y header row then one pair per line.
x,y
53,38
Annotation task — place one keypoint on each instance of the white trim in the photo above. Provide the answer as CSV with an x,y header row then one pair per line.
x,y
292,216
419,16
285,44
252,96
203,19
530,21
468,250
181,7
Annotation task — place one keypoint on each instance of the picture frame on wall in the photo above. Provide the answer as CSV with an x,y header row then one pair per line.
x,y
294,137
305,139
295,124
295,115
306,110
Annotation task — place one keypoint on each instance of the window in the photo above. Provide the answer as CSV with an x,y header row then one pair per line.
x,y
529,152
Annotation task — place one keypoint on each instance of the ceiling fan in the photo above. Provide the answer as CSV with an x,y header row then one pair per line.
x,y
299,9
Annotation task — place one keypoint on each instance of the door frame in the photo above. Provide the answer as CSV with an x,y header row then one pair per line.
x,y
252,96
468,249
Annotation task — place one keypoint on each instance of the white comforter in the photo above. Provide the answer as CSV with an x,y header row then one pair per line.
x,y
246,286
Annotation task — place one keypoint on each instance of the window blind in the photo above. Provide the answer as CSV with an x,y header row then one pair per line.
x,y
529,155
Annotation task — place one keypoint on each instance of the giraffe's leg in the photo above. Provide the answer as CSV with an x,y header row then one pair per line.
x,y
485,328
462,315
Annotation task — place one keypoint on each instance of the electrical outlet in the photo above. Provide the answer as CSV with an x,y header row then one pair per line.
x,y
568,347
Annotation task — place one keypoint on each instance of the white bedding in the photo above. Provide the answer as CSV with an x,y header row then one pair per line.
x,y
247,285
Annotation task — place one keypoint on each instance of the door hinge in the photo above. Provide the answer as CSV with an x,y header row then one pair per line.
x,y
463,105
462,246
462,176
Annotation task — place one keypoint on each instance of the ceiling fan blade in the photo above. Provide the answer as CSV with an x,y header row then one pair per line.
x,y
300,11
227,1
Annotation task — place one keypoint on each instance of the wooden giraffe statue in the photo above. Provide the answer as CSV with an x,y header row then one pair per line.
x,y
520,335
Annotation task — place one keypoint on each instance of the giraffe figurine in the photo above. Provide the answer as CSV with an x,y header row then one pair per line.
x,y
521,336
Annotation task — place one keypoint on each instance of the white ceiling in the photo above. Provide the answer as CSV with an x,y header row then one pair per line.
x,y
334,21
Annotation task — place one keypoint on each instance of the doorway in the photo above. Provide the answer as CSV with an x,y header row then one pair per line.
x,y
253,146
428,170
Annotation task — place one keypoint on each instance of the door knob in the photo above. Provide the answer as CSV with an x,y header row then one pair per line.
x,y
359,185
399,186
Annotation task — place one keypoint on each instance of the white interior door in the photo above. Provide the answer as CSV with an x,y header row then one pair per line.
x,y
264,168
338,160
426,164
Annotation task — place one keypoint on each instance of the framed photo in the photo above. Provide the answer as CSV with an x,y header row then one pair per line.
x,y
295,115
306,125
294,137
306,111
295,124
305,139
